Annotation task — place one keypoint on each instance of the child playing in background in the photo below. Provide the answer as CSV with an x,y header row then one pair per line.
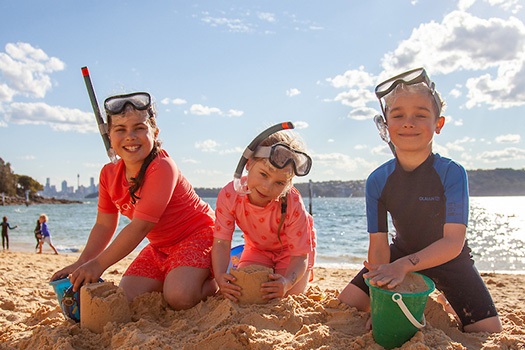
x,y
5,232
427,198
46,235
38,234
146,186
278,231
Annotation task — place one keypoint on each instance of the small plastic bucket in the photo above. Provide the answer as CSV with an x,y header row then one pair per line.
x,y
68,300
396,317
235,256
60,286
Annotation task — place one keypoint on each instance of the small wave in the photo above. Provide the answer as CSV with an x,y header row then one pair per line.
x,y
68,249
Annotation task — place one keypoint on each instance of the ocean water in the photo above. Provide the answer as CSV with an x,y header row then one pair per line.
x,y
496,230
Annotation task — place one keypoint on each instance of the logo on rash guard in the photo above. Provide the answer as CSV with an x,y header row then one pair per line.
x,y
429,199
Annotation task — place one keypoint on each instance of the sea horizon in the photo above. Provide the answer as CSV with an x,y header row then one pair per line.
x,y
496,231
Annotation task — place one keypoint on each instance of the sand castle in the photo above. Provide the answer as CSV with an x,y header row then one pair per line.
x,y
249,278
101,303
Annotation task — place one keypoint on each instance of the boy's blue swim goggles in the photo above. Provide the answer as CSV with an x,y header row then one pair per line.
x,y
411,77
281,155
139,100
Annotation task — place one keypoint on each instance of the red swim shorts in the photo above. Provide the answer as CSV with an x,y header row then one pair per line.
x,y
157,262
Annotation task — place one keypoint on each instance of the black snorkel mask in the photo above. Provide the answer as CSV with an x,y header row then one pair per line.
x,y
238,185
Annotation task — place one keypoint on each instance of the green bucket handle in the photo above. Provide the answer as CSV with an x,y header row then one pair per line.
x,y
398,299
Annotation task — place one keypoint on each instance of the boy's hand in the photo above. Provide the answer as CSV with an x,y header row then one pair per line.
x,y
227,287
276,288
381,275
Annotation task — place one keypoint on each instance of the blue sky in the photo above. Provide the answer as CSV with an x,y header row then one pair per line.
x,y
223,71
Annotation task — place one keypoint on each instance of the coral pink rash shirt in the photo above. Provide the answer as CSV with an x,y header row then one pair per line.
x,y
259,224
166,199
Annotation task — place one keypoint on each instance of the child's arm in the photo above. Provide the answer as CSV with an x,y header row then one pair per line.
x,y
378,248
127,240
99,237
220,260
439,252
280,285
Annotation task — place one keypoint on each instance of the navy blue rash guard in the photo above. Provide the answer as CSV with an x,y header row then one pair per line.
x,y
420,203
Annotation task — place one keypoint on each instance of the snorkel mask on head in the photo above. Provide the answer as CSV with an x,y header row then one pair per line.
x,y
411,77
240,186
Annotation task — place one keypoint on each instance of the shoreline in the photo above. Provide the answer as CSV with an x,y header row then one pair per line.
x,y
31,318
75,252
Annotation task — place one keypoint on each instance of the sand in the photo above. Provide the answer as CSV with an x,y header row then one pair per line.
x,y
30,317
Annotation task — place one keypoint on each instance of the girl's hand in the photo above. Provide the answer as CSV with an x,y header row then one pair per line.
x,y
388,275
65,272
227,287
89,272
276,288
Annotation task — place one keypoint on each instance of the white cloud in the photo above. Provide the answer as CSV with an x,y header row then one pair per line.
x,y
466,42
293,92
510,153
231,24
342,162
362,113
266,16
26,71
199,109
175,101
58,118
207,145
352,79
509,138
300,124
235,150
234,113
190,161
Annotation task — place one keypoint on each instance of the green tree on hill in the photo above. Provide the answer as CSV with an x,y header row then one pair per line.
x,y
12,184
7,179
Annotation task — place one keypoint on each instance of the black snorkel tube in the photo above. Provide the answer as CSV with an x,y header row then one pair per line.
x,y
248,153
383,132
102,126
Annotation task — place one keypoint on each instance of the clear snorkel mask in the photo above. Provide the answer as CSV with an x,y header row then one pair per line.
x,y
240,186
411,77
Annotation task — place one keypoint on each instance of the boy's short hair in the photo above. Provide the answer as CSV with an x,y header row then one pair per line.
x,y
419,88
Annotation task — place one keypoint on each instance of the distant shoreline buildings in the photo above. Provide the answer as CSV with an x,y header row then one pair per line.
x,y
69,191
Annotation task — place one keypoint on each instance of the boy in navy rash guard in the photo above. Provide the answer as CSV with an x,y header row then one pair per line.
x,y
427,198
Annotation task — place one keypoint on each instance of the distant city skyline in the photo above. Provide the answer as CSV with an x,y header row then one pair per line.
x,y
81,191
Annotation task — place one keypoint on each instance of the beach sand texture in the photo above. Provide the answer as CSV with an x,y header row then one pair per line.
x,y
30,317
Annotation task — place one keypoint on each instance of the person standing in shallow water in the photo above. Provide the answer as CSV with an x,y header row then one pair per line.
x,y
46,235
5,232
427,197
146,186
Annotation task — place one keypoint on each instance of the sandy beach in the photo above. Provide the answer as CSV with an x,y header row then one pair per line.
x,y
30,317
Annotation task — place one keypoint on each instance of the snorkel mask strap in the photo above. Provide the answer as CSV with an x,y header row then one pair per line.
x,y
383,132
248,153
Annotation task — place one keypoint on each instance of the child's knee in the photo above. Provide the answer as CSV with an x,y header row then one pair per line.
x,y
180,299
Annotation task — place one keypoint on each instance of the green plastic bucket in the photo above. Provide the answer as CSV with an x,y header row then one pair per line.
x,y
396,317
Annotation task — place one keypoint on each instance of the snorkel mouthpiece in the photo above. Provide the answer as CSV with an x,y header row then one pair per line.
x,y
239,185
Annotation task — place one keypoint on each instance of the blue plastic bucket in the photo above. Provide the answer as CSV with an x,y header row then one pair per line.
x,y
68,300
235,256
